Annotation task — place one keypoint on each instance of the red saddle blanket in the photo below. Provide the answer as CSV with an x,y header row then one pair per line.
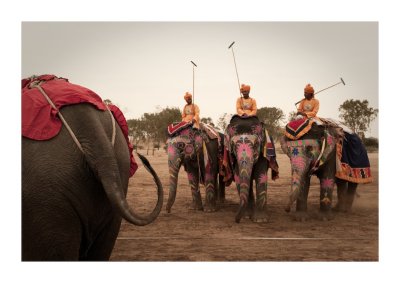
x,y
297,128
40,120
175,128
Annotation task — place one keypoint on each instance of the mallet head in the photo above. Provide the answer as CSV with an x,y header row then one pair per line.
x,y
193,63
342,81
231,45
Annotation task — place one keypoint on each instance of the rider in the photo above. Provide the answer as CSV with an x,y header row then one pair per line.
x,y
309,106
246,106
191,112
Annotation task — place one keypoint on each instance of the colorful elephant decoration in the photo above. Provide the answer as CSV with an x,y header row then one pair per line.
x,y
200,152
249,153
334,154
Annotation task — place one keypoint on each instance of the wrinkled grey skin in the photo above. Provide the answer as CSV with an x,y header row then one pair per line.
x,y
326,174
73,202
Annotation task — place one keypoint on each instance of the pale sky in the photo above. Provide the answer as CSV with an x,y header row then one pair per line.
x,y
144,65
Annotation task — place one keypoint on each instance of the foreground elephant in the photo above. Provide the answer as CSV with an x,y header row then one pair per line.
x,y
198,150
249,153
72,199
315,151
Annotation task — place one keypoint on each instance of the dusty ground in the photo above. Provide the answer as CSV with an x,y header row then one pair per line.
x,y
185,235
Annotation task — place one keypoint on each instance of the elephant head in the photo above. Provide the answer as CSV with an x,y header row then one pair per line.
x,y
184,148
306,155
245,139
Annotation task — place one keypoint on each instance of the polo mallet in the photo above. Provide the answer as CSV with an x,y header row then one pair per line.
x,y
194,65
341,82
234,60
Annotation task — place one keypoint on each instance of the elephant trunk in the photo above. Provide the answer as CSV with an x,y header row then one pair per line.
x,y
174,164
245,168
294,192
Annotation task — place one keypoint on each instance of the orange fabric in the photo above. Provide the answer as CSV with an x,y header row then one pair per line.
x,y
246,106
187,95
191,112
309,89
244,87
309,107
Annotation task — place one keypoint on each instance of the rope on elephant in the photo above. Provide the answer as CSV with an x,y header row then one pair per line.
x,y
36,84
113,124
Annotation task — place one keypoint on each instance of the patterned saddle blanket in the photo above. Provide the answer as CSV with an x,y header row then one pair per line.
x,y
297,128
41,122
174,128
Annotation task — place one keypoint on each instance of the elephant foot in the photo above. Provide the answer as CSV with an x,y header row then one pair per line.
x,y
210,208
260,217
241,212
339,208
325,215
196,206
221,200
301,216
287,208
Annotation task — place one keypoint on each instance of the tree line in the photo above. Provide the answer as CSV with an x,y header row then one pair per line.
x,y
152,127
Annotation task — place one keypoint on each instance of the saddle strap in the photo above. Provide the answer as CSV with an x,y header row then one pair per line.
x,y
36,84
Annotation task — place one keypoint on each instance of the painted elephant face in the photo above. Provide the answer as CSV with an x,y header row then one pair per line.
x,y
304,155
246,149
184,146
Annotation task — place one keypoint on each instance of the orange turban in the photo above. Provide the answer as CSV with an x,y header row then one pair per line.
x,y
309,89
187,95
245,87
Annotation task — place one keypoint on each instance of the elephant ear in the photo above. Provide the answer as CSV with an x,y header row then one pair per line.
x,y
283,144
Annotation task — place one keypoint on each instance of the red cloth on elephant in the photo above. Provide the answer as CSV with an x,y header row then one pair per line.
x,y
40,120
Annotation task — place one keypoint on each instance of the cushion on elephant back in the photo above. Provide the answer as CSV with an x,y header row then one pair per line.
x,y
297,128
41,122
175,128
245,125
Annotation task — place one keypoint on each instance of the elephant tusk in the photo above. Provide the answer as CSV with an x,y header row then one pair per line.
x,y
314,168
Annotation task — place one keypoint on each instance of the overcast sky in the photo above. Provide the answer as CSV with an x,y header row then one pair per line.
x,y
144,65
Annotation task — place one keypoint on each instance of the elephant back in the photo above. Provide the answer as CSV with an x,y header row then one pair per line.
x,y
176,128
245,125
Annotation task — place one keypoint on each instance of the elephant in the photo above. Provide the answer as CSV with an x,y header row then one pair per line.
x,y
73,200
200,152
246,143
314,152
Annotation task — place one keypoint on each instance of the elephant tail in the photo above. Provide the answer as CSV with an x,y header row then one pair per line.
x,y
160,193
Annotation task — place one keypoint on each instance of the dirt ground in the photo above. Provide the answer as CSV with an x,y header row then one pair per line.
x,y
186,235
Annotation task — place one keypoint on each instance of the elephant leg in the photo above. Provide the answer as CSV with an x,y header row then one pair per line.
x,y
55,240
341,194
327,183
193,178
210,198
221,189
174,164
251,203
301,202
102,246
351,192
